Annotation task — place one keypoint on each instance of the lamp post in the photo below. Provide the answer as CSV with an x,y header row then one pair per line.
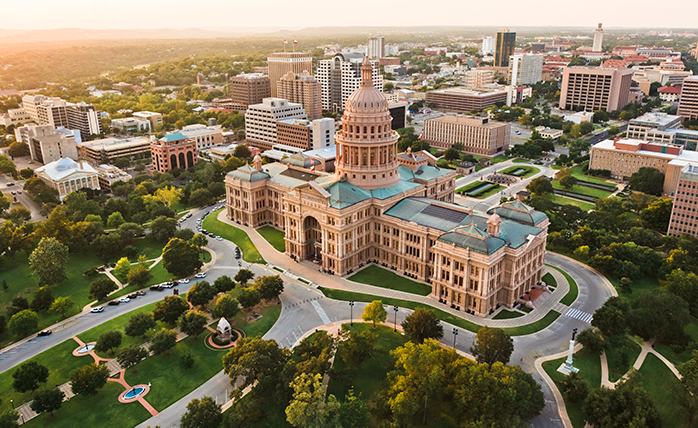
x,y
395,308
351,312
455,334
13,404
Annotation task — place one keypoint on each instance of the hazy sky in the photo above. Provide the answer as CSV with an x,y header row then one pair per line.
x,y
126,14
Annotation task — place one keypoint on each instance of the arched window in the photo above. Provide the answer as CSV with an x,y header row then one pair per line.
x,y
373,130
365,130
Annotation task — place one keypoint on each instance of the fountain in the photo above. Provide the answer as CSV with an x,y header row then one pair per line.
x,y
134,392
85,349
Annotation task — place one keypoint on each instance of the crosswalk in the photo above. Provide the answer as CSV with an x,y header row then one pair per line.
x,y
580,315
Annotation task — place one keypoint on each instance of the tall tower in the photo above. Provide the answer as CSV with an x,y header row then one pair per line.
x,y
598,39
281,63
366,145
504,48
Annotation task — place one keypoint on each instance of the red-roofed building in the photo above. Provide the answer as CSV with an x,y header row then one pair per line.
x,y
670,94
636,59
625,50
551,72
614,63
672,64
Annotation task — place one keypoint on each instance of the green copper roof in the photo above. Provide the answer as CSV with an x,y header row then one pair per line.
x,y
173,137
345,194
520,212
424,172
249,174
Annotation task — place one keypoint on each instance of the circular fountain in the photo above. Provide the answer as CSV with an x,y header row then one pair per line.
x,y
134,393
85,349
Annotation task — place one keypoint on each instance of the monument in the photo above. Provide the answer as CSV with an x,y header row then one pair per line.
x,y
566,368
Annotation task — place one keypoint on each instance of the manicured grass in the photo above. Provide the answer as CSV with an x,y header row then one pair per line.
x,y
489,192
658,381
561,200
571,295
499,158
274,237
616,368
579,175
470,186
589,368
270,315
231,233
459,176
60,363
521,160
99,410
151,249
583,190
205,256
548,319
160,275
379,277
549,279
506,314
531,170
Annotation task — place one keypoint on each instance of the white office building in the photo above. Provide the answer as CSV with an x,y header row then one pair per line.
x,y
261,119
376,47
341,76
488,46
525,69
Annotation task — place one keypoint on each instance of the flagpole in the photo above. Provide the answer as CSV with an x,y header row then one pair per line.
x,y
284,45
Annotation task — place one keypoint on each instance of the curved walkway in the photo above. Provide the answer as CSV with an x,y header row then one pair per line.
x,y
141,398
646,350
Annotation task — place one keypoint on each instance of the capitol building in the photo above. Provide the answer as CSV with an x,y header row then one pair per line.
x,y
392,209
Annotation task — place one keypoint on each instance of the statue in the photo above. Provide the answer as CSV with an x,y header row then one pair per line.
x,y
567,367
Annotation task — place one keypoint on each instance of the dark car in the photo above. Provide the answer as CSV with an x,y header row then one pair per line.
x,y
140,293
44,333
156,288
114,303
175,283
237,256
132,296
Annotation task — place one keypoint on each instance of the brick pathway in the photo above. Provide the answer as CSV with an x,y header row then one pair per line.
x,y
141,398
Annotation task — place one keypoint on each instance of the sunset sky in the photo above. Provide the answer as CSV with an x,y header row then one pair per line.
x,y
127,14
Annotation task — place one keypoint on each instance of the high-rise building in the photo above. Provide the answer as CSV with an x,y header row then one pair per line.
x,y
683,212
473,79
487,45
341,76
525,69
173,151
302,89
306,134
506,41
591,88
281,63
479,135
252,88
57,112
688,105
376,47
462,100
85,118
261,120
598,39
48,144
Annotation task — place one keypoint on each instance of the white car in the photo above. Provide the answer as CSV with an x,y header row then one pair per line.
x,y
184,281
218,238
200,275
97,310
124,300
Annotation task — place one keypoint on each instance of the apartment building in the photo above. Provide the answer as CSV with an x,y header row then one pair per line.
x,y
246,89
306,134
525,69
465,100
592,88
688,106
280,63
376,47
479,135
58,112
340,76
261,120
302,89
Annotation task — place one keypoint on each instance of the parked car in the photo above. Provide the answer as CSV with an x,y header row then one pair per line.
x,y
200,275
140,293
167,285
184,281
156,288
114,303
132,296
97,310
124,300
237,256
219,238
44,333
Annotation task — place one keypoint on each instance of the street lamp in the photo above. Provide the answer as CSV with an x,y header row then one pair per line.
x,y
13,404
351,312
395,308
455,334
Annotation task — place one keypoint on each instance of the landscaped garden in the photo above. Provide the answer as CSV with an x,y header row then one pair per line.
x,y
479,189
521,171
380,277
233,234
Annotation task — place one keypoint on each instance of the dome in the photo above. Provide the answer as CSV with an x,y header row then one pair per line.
x,y
366,99
65,163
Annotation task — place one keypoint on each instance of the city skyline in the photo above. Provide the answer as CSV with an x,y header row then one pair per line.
x,y
101,15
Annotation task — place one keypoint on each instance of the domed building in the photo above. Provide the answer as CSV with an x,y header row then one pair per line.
x,y
392,209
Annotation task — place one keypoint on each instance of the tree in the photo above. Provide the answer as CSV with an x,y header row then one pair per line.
x,y
423,324
169,196
139,276
656,216
204,413
199,241
48,261
184,234
100,288
226,306
600,116
107,246
374,312
249,297
492,345
130,356
200,197
29,376
9,418
162,229
23,323
115,220
201,293
685,285
18,149
354,412
163,341
18,213
139,324
88,379
540,186
658,314
566,179
122,268
309,407
575,387
43,299
628,405
611,317
243,276
648,180
223,284
451,154
170,309
186,360
192,322
591,340
269,287
108,341
181,258
255,360
61,305
47,401
358,347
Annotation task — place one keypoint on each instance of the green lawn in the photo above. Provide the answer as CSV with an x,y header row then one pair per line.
x,y
571,295
60,363
274,237
379,277
80,411
231,233
589,368
499,158
469,186
444,316
531,171
506,314
658,381
521,160
561,200
257,328
617,368
549,279
583,190
489,192
579,175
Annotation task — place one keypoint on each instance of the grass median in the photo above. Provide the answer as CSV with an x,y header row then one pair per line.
x,y
273,236
379,277
573,293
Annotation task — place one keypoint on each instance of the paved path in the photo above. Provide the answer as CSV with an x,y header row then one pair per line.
x,y
647,348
